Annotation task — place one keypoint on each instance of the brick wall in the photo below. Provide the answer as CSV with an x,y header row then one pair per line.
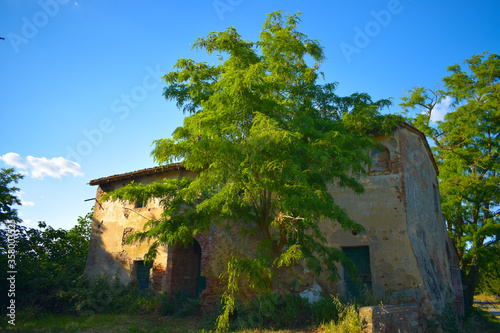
x,y
392,318
159,277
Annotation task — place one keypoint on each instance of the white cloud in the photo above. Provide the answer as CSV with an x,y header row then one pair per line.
x,y
39,167
30,224
24,202
27,203
441,109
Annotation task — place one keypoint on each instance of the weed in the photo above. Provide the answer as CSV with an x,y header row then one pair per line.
x,y
348,322
449,317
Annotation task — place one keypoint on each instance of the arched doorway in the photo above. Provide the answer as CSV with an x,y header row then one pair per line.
x,y
184,269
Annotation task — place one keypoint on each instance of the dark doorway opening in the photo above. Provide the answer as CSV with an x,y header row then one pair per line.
x,y
186,270
142,274
355,285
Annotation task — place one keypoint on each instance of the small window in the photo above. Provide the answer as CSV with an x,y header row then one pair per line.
x,y
381,160
140,204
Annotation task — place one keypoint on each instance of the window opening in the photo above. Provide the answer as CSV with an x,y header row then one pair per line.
x,y
381,160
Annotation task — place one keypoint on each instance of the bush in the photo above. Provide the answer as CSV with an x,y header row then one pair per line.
x,y
325,310
290,311
104,295
180,306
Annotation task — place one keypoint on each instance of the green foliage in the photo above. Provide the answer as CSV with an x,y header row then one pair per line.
x,y
181,305
104,295
49,263
479,320
489,283
270,310
325,310
449,320
266,142
467,151
279,312
349,320
7,195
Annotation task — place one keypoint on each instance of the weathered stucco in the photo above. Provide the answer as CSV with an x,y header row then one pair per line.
x,y
400,211
426,227
381,209
113,221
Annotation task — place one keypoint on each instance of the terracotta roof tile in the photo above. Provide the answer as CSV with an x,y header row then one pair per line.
x,y
138,173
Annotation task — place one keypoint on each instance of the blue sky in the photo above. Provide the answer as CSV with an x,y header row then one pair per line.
x,y
81,94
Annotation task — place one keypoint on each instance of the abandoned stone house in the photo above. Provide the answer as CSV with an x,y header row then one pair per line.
x,y
404,255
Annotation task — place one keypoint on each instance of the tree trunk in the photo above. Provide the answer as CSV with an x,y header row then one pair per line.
x,y
469,283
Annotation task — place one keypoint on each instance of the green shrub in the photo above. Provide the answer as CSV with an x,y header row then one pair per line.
x,y
290,311
104,295
143,302
180,306
325,310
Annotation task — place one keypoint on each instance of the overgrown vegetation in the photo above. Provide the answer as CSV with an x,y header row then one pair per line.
x,y
106,305
181,305
348,322
279,312
49,263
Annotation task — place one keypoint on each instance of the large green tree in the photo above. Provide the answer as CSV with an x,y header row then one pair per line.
x,y
467,148
266,142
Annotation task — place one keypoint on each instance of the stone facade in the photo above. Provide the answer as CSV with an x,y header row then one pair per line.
x,y
404,255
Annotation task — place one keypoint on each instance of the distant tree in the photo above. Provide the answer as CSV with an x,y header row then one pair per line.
x,y
467,150
7,195
489,271
49,262
266,142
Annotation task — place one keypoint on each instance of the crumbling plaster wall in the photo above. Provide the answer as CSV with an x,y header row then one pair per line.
x,y
113,221
381,211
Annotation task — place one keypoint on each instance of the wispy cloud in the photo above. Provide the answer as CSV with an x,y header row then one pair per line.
x,y
441,109
27,203
39,167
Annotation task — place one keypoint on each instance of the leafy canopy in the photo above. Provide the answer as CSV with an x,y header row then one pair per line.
x,y
467,147
266,142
